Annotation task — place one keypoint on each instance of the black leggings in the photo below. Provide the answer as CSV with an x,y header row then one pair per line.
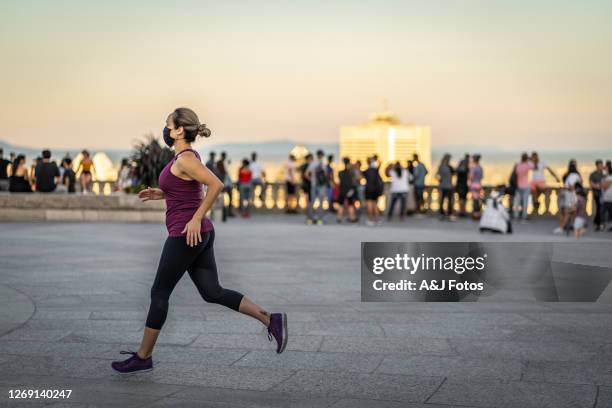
x,y
199,261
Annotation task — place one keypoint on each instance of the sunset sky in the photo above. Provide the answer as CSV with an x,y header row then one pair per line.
x,y
510,74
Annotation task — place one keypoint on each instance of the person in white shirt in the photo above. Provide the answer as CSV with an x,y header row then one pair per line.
x,y
538,179
400,187
258,176
317,175
568,199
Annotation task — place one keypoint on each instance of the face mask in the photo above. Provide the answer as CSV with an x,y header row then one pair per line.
x,y
167,138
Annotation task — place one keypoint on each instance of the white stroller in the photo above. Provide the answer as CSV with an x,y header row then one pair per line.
x,y
495,218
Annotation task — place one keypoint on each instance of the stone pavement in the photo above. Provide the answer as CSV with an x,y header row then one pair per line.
x,y
72,295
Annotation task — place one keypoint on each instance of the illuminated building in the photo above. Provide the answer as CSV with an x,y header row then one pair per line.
x,y
385,136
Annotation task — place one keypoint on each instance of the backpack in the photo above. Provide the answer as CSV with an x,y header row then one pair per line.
x,y
321,175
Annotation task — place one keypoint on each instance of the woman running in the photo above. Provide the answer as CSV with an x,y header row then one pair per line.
x,y
189,245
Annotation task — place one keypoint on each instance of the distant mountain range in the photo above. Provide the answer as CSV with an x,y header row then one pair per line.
x,y
277,150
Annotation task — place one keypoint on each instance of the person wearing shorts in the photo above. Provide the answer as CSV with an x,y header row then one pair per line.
x,y
538,180
373,190
347,192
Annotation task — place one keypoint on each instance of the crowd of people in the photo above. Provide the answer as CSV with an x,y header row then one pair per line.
x,y
44,175
352,189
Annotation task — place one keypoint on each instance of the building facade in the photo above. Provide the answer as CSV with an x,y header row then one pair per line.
x,y
385,136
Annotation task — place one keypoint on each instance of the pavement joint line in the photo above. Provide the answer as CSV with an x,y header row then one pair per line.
x,y
596,398
320,346
239,358
382,329
374,371
334,401
29,318
436,390
294,372
182,387
563,383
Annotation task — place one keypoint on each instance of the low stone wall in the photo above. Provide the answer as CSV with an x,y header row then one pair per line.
x,y
77,207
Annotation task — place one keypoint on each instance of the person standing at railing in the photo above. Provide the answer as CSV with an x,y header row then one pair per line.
x,y
374,188
445,187
210,164
4,172
259,177
224,176
290,197
228,186
86,177
419,172
410,196
538,180
595,182
567,199
580,221
399,188
245,188
475,180
461,183
347,192
317,175
305,180
124,181
606,187
331,183
521,196
360,188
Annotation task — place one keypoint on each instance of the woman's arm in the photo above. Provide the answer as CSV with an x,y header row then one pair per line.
x,y
553,173
191,166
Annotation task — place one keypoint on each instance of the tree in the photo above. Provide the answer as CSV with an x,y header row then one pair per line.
x,y
150,158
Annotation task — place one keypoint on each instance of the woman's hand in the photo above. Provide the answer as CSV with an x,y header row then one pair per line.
x,y
151,194
193,231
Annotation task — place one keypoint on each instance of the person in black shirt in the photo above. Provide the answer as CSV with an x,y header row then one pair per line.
x,y
4,180
211,164
306,184
347,193
461,183
595,180
69,177
19,182
47,174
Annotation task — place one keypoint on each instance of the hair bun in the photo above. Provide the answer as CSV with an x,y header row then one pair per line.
x,y
203,130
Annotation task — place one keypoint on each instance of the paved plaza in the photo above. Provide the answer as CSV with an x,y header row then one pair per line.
x,y
72,295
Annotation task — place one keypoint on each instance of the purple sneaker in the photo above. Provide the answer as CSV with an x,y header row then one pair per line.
x,y
133,364
278,330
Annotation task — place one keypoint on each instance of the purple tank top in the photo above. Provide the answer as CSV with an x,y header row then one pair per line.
x,y
183,197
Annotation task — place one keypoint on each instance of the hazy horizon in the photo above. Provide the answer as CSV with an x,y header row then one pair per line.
x,y
515,73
